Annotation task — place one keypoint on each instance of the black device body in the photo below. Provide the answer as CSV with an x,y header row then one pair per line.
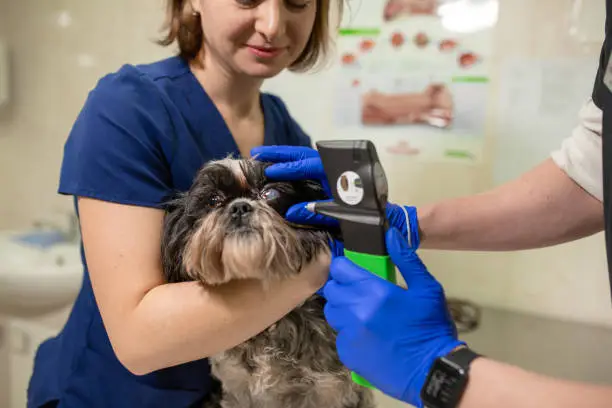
x,y
360,192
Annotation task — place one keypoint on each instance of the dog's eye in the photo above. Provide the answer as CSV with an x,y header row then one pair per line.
x,y
270,194
215,200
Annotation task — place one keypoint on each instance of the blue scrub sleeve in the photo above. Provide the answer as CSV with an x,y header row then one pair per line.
x,y
118,147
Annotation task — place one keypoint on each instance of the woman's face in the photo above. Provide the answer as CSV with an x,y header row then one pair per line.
x,y
258,38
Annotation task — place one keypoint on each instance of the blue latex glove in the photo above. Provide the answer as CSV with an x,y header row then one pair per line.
x,y
298,162
337,248
387,334
292,163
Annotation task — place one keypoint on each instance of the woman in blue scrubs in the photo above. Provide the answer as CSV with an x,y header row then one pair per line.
x,y
144,131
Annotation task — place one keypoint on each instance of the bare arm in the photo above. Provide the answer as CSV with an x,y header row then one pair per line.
x,y
544,207
153,325
494,384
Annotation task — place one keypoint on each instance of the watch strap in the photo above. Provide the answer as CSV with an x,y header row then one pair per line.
x,y
462,356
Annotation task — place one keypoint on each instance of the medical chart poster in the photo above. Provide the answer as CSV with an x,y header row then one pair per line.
x,y
415,81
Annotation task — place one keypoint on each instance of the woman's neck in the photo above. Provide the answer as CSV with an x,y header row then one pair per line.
x,y
233,95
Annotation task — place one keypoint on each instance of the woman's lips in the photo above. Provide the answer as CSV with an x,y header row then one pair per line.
x,y
265,52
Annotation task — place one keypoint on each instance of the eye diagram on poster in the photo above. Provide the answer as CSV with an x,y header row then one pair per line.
x,y
417,76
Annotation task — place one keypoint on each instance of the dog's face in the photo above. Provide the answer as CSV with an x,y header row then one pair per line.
x,y
230,225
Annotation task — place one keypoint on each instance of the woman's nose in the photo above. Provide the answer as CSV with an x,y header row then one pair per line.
x,y
271,19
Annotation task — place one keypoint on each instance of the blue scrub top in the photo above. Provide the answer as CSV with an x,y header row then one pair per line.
x,y
143,133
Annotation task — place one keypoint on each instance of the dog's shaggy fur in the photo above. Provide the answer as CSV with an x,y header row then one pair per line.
x,y
229,226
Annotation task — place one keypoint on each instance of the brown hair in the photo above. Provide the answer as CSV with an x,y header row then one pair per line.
x,y
183,26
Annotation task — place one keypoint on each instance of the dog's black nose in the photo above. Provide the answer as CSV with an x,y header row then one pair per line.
x,y
240,209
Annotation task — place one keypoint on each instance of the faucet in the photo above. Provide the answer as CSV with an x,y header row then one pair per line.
x,y
73,234
70,230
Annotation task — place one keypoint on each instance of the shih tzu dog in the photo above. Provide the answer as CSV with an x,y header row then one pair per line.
x,y
230,225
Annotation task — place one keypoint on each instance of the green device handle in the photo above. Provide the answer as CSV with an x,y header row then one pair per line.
x,y
380,265
359,190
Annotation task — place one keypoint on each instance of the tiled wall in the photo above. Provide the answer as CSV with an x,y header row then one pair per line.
x,y
61,48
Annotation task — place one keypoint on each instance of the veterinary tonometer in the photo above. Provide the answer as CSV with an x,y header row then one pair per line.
x,y
359,188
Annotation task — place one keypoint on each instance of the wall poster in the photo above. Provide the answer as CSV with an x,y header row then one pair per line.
x,y
413,76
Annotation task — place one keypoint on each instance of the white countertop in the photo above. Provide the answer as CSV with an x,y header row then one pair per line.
x,y
567,350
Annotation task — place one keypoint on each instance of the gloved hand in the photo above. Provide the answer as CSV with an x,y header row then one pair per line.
x,y
297,162
337,248
292,163
403,218
387,334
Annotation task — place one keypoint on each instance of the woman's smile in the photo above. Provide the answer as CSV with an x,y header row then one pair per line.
x,y
266,52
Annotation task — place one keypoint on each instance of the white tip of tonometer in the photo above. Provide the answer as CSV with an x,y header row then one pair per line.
x,y
311,207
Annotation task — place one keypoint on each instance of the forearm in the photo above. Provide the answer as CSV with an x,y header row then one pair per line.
x,y
494,384
542,208
178,323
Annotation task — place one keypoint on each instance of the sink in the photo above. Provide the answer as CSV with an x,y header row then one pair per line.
x,y
40,272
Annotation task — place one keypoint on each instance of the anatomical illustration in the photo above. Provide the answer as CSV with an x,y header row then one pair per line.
x,y
414,75
396,8
433,106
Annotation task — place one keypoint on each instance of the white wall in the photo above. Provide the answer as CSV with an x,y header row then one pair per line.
x,y
59,57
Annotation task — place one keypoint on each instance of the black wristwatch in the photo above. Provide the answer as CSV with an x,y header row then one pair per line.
x,y
447,379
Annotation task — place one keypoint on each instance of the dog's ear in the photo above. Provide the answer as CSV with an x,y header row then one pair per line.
x,y
175,230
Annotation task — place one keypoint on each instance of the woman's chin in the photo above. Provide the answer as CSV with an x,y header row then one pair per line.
x,y
261,71
261,68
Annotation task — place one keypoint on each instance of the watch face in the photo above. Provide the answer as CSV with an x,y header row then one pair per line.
x,y
444,385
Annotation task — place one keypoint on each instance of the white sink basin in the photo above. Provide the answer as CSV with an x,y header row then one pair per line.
x,y
37,278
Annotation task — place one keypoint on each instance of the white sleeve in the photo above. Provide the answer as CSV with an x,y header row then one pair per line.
x,y
580,153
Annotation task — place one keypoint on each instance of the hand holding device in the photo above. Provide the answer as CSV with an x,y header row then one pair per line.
x,y
388,334
403,218
292,163
298,162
